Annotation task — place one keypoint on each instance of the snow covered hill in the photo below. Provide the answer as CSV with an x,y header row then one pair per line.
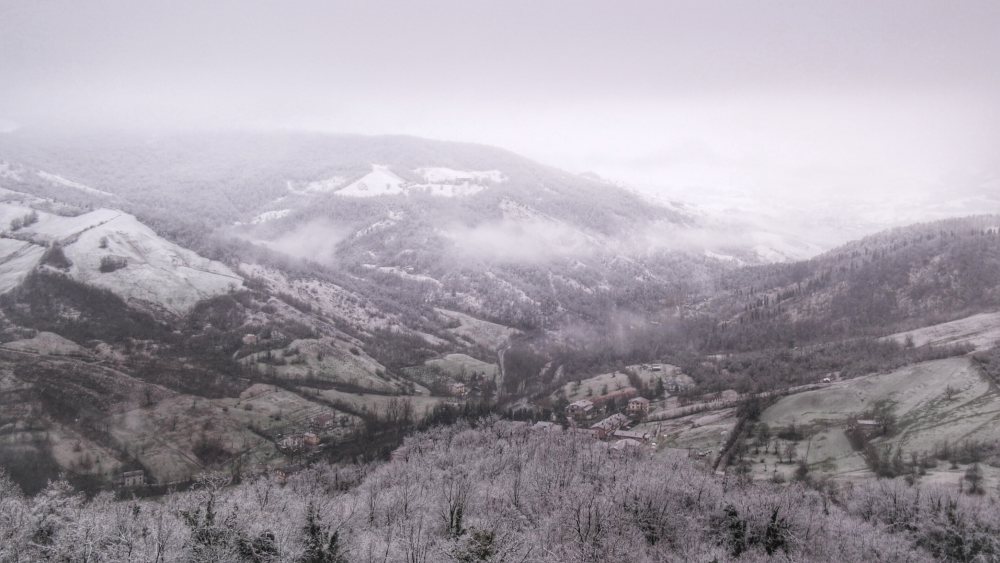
x,y
110,249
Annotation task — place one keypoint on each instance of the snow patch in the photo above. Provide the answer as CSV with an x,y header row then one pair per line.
x,y
446,183
380,181
402,273
437,175
270,216
155,272
321,186
59,180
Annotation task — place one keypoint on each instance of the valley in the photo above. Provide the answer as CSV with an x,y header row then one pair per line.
x,y
342,306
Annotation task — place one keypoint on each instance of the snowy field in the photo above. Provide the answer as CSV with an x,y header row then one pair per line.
x,y
980,331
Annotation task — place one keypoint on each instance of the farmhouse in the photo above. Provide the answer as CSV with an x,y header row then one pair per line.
x,y
581,409
609,425
458,389
310,439
638,407
131,479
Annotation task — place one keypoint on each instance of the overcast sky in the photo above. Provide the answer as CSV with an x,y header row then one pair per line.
x,y
767,97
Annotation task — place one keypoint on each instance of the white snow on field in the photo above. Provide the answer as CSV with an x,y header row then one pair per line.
x,y
402,273
723,257
380,225
447,183
71,184
380,181
157,273
270,216
321,186
17,258
436,175
447,190
46,343
981,331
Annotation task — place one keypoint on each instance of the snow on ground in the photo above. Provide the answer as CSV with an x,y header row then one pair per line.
x,y
441,182
325,359
981,331
330,299
487,334
380,181
46,343
59,180
396,271
437,175
17,258
270,216
462,367
446,190
380,405
156,272
934,401
723,257
319,186
391,219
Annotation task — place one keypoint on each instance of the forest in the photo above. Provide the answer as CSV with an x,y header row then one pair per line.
x,y
492,490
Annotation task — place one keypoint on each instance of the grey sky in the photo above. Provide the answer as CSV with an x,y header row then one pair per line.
x,y
785,97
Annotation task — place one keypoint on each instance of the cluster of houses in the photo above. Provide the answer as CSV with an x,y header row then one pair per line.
x,y
587,409
614,426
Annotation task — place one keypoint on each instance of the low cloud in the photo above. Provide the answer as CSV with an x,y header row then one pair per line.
x,y
315,240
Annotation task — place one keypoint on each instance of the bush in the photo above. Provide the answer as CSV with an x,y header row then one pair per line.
x,y
110,263
56,258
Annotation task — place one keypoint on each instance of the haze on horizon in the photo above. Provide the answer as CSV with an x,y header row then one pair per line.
x,y
721,103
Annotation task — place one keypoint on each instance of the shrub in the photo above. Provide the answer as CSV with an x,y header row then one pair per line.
x,y
110,263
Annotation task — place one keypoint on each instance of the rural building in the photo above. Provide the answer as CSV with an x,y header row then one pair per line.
x,y
639,406
132,479
250,339
609,425
310,439
581,409
458,389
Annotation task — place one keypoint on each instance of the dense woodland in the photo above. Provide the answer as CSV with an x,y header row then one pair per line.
x,y
496,491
